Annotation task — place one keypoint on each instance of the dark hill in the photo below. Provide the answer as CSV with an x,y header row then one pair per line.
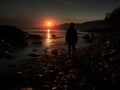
x,y
84,26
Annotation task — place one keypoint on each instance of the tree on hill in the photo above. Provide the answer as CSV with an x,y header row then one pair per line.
x,y
114,17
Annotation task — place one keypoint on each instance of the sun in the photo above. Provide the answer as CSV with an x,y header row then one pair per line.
x,y
49,24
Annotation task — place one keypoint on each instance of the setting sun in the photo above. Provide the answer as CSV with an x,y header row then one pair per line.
x,y
49,24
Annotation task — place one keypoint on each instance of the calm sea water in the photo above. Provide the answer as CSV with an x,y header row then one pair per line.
x,y
50,39
56,38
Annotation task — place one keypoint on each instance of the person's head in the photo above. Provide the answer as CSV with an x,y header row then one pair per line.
x,y
72,25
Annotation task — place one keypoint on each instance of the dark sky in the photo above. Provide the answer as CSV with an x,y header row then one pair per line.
x,y
33,13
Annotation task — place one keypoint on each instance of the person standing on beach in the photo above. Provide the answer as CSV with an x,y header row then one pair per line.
x,y
71,39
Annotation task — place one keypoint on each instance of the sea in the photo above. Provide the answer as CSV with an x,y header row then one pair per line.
x,y
51,39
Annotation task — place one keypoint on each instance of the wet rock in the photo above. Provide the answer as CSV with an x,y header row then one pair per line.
x,y
35,37
33,55
35,50
54,52
53,36
54,88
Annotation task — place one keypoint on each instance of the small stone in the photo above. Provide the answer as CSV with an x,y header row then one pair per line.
x,y
54,88
61,73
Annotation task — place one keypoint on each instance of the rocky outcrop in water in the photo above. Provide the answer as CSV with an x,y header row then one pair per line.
x,y
13,36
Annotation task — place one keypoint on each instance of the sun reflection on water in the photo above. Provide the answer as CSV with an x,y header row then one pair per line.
x,y
48,40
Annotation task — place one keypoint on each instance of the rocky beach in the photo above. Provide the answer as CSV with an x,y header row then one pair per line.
x,y
94,67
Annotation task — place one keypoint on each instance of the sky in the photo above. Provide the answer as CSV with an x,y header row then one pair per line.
x,y
36,13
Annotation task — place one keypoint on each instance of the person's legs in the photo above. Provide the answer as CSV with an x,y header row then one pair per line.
x,y
73,49
69,49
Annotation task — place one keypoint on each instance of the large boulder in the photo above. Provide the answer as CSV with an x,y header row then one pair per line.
x,y
13,36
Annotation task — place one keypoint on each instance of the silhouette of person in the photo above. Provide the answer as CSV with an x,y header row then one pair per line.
x,y
71,39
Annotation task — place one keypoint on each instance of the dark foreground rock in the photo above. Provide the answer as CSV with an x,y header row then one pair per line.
x,y
13,35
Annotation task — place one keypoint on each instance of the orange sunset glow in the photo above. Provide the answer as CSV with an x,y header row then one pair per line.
x,y
47,23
